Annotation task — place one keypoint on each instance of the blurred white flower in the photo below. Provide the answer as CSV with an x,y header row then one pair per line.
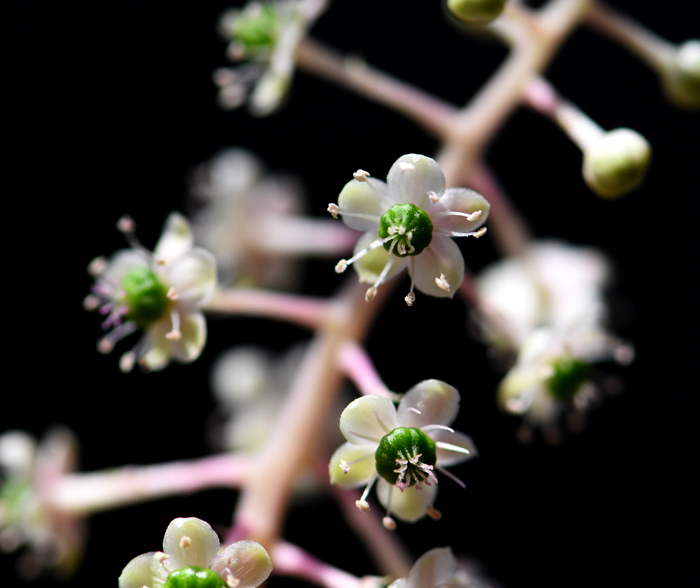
x,y
266,35
191,557
160,292
401,447
438,568
27,474
409,222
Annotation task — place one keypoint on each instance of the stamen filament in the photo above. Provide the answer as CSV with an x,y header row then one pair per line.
x,y
451,476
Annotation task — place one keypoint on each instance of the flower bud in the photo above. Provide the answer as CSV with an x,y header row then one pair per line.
x,y
616,163
681,80
478,12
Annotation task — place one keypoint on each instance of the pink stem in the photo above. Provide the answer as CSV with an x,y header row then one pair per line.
x,y
291,560
357,365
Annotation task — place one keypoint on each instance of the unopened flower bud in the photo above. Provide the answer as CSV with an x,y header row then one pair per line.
x,y
681,80
476,11
616,163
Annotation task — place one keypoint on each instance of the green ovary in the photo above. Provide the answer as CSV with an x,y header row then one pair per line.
x,y
568,377
144,295
194,577
258,30
404,444
409,227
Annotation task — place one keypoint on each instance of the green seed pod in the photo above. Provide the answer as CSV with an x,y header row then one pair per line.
x,y
194,577
478,12
616,163
568,377
682,78
409,227
405,446
144,295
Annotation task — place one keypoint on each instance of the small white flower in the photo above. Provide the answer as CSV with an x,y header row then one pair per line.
x,y
191,548
27,472
401,447
409,223
160,292
438,568
266,34
242,208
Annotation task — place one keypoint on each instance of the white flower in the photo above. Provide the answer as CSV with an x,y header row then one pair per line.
x,y
241,208
438,568
28,472
267,34
191,548
160,292
409,222
401,447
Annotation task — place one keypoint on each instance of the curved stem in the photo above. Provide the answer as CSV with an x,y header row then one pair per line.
x,y
357,365
291,560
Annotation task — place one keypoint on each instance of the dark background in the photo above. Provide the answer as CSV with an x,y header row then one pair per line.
x,y
110,106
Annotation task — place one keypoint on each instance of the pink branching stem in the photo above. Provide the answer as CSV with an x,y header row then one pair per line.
x,y
356,364
295,235
291,560
304,311
383,546
96,491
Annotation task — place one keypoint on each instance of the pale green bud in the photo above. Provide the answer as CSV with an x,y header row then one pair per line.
x,y
681,79
616,163
476,11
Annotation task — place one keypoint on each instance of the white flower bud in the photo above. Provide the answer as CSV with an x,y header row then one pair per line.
x,y
681,79
476,11
616,163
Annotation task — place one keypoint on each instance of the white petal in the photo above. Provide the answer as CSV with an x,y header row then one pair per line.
x,y
413,185
198,551
442,256
194,335
248,561
370,266
142,571
269,92
447,457
409,505
436,401
176,239
363,203
360,421
437,567
193,277
360,472
400,583
123,261
458,200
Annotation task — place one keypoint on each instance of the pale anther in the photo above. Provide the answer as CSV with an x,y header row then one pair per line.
x,y
433,513
97,266
389,523
127,361
105,346
361,175
480,233
406,166
172,295
341,266
363,505
185,542
410,298
173,335
474,215
371,293
159,556
126,224
433,197
344,466
334,210
443,282
91,302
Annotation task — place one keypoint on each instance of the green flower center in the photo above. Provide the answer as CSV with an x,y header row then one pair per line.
x,y
144,295
569,374
407,230
405,457
194,577
257,29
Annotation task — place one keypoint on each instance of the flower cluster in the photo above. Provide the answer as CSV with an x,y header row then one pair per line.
x,y
160,292
191,557
408,223
401,448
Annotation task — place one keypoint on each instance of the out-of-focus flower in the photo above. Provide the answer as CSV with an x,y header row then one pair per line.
x,y
160,292
680,75
552,304
401,447
438,568
27,473
241,218
191,557
266,35
409,222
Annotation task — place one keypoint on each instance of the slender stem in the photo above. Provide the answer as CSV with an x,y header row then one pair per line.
x,y
357,365
383,546
296,235
543,98
291,560
97,491
648,46
304,311
430,112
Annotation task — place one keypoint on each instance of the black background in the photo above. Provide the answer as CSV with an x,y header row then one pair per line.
x,y
110,106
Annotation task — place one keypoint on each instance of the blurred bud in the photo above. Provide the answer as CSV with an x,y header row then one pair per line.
x,y
616,163
681,80
476,11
